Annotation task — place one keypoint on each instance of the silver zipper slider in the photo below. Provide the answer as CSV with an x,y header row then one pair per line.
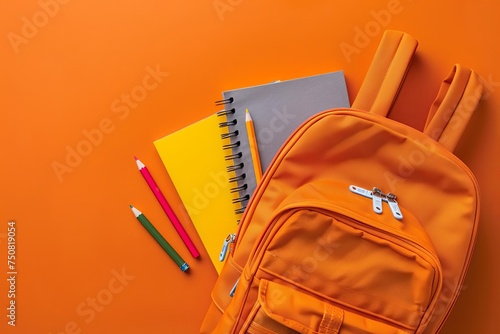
x,y
377,197
225,247
393,204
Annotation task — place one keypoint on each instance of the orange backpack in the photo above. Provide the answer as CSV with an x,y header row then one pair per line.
x,y
361,224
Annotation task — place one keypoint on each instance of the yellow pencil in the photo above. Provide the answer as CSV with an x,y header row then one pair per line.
x,y
254,150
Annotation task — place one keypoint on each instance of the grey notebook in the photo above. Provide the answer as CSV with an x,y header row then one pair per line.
x,y
277,109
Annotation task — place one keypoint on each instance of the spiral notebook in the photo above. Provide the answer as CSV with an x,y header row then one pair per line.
x,y
277,109
209,161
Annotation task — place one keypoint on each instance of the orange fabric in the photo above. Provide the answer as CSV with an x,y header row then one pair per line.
x,y
369,280
456,102
325,254
386,73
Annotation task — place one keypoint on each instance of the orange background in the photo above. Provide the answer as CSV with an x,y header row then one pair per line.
x,y
67,65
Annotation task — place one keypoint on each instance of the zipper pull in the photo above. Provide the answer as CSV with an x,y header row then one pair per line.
x,y
361,191
393,204
377,196
233,290
225,247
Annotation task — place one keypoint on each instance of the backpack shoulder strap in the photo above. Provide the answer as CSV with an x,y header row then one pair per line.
x,y
386,73
453,107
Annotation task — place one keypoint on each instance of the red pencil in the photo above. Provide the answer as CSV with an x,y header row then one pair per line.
x,y
167,208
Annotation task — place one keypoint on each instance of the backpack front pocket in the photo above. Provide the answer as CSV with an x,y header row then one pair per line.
x,y
369,265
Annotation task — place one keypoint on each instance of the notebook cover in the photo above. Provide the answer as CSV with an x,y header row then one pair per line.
x,y
194,159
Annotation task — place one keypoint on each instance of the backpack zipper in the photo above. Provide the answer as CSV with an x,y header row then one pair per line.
x,y
338,213
226,246
233,289
378,197
393,204
330,209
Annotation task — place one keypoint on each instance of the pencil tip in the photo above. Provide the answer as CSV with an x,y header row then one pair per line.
x,y
130,206
248,118
135,158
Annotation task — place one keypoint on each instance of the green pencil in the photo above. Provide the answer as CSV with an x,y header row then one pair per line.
x,y
160,239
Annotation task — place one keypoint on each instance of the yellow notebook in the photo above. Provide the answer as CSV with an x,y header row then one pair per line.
x,y
197,166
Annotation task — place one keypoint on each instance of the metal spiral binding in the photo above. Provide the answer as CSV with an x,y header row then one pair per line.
x,y
226,124
233,155
241,199
229,134
237,155
231,146
240,211
240,188
237,178
223,102
236,167
226,112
